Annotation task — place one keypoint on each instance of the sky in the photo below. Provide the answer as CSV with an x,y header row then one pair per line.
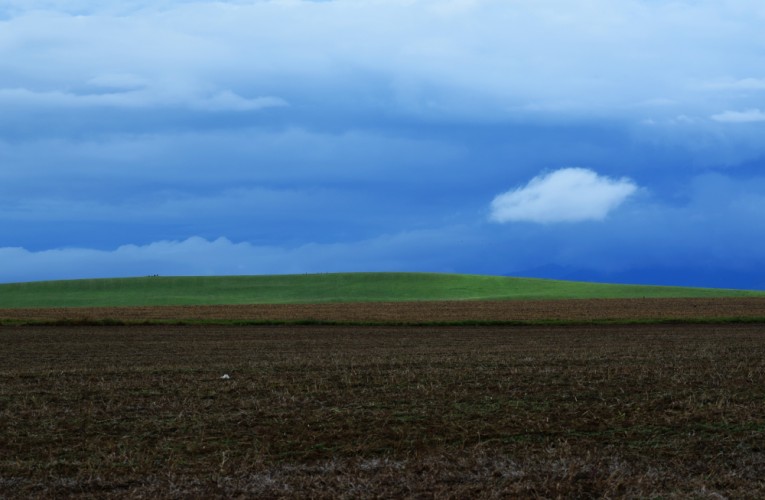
x,y
601,140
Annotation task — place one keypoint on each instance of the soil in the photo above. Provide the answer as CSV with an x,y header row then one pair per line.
x,y
144,411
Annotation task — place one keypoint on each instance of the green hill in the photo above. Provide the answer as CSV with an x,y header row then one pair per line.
x,y
317,288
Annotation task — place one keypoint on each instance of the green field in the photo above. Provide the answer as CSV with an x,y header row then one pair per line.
x,y
323,288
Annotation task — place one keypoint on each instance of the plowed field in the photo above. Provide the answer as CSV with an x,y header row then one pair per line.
x,y
422,312
383,411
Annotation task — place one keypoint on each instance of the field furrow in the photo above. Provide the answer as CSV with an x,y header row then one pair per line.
x,y
352,411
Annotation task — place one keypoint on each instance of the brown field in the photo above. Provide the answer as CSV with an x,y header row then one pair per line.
x,y
384,411
421,312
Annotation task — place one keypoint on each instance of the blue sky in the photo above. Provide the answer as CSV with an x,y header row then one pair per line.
x,y
608,140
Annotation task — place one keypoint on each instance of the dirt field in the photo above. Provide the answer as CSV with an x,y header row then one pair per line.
x,y
423,312
574,411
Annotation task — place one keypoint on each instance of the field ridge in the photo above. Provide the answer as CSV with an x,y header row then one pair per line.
x,y
427,313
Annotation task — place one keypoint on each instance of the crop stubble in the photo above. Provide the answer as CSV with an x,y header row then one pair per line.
x,y
420,312
333,411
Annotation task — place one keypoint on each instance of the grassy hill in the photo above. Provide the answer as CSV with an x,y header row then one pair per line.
x,y
317,288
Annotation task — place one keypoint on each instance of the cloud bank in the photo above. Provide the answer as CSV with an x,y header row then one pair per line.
x,y
198,256
748,116
566,195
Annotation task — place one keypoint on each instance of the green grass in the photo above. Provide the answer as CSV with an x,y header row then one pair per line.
x,y
323,288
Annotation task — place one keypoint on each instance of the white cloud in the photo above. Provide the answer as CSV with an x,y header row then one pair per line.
x,y
140,98
566,195
748,116
229,101
192,256
455,7
118,81
732,84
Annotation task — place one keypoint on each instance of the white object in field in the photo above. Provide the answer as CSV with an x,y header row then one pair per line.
x,y
225,376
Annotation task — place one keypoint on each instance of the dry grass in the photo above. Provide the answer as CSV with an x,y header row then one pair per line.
x,y
141,411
